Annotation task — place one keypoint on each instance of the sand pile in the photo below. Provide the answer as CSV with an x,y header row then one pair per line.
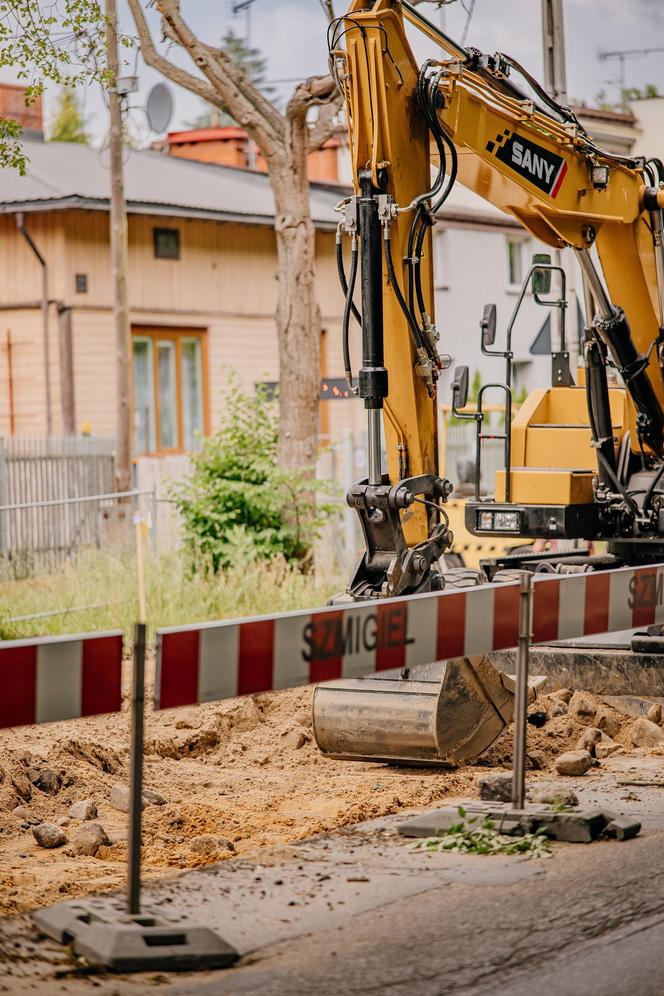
x,y
224,779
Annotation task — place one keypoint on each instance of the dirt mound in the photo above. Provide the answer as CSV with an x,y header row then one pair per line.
x,y
246,772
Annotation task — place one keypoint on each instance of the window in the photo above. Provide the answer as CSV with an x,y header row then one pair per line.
x,y
441,261
166,243
81,283
515,262
169,390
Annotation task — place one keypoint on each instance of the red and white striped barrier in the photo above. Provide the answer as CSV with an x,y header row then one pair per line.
x,y
220,660
52,679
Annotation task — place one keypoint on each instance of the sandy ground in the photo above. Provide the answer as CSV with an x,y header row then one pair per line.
x,y
230,770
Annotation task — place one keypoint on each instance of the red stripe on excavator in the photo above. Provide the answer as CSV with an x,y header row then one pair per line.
x,y
559,181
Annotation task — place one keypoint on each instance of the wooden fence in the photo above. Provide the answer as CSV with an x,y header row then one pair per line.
x,y
36,533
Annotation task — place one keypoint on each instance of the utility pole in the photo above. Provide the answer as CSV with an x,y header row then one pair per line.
x,y
120,262
553,36
555,84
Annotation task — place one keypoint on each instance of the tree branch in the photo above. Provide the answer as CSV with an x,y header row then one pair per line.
x,y
172,72
240,98
326,124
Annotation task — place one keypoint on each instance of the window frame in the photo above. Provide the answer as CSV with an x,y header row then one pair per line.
x,y
158,230
177,336
517,242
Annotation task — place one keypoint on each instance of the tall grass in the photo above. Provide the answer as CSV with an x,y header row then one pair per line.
x,y
176,594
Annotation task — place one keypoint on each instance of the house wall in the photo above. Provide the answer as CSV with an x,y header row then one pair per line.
x,y
224,284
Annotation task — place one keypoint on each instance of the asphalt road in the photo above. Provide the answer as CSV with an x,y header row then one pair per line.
x,y
591,925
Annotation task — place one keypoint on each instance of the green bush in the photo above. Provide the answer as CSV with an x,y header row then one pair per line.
x,y
237,504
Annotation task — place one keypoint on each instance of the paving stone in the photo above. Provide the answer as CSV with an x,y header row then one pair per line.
x,y
49,835
551,794
573,763
496,788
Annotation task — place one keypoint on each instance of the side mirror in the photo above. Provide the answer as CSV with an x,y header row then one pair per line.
x,y
460,387
541,278
488,325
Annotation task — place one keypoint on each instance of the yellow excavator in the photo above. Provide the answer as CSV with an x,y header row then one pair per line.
x,y
583,461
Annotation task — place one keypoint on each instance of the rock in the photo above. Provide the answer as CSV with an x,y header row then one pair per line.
x,y
605,748
152,798
538,717
62,822
295,737
49,835
559,708
564,694
305,718
48,781
24,814
589,740
537,759
582,707
206,844
89,838
550,795
573,763
83,810
607,721
496,788
32,773
645,733
120,798
22,785
654,713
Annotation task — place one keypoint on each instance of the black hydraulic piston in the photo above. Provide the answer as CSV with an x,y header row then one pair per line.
x,y
599,409
373,375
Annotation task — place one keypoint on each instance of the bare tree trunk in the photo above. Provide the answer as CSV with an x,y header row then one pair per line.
x,y
298,314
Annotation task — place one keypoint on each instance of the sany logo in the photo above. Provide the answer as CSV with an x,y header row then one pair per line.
x,y
532,162
540,166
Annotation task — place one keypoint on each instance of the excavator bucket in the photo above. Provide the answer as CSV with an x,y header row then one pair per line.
x,y
447,713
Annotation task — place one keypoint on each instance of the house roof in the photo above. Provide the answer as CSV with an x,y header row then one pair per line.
x,y
65,175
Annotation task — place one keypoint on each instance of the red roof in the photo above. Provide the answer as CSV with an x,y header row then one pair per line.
x,y
206,135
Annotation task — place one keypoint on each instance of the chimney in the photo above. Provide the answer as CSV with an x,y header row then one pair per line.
x,y
12,105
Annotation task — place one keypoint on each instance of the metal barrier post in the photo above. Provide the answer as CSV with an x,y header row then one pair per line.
x,y
521,695
136,774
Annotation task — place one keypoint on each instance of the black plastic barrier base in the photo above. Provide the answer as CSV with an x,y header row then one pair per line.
x,y
101,931
577,826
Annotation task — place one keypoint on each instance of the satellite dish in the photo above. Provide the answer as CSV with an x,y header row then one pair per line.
x,y
159,108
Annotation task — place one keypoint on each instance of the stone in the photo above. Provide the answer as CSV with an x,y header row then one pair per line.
x,y
645,733
206,844
654,713
573,763
22,785
24,814
295,738
605,748
496,788
608,721
89,838
564,694
48,781
622,828
83,810
551,795
538,717
537,759
559,708
152,798
120,798
589,740
305,718
62,821
582,707
49,835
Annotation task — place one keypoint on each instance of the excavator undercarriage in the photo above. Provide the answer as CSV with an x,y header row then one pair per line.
x,y
583,458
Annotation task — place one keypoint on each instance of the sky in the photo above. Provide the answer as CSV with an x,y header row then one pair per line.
x,y
291,34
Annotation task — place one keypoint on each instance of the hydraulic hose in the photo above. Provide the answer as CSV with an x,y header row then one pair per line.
x,y
412,324
342,276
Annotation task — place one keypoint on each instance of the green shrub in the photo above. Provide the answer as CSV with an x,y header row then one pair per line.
x,y
237,504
